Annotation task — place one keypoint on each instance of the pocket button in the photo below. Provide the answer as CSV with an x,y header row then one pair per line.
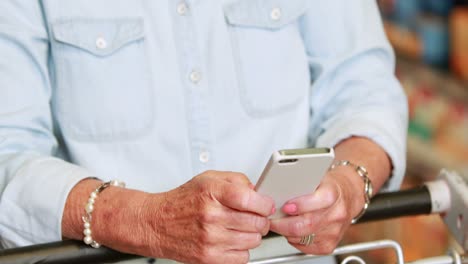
x,y
101,43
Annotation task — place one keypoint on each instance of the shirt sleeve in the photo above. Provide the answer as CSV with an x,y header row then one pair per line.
x,y
354,90
33,184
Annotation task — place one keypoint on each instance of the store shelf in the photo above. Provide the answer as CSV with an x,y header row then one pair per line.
x,y
426,162
430,146
441,80
404,41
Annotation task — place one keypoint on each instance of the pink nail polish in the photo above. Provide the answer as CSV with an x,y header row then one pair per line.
x,y
290,208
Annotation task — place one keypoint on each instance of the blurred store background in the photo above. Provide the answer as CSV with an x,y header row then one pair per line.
x,y
430,38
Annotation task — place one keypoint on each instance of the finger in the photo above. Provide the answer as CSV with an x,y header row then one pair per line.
x,y
298,226
234,177
246,222
235,240
245,199
219,254
324,197
227,239
320,234
229,242
298,240
324,241
234,256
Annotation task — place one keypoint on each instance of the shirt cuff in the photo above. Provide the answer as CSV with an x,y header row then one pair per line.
x,y
32,204
393,141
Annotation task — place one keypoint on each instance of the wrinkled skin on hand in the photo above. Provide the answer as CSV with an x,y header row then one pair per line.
x,y
214,218
327,213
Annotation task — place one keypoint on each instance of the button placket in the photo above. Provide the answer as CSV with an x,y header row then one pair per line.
x,y
191,65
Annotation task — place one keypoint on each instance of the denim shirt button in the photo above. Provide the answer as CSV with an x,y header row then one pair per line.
x,y
204,156
195,76
275,14
101,43
182,8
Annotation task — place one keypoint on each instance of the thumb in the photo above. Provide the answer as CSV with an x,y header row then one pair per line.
x,y
324,197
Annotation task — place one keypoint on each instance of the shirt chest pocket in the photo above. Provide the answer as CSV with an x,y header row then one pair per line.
x,y
269,53
103,89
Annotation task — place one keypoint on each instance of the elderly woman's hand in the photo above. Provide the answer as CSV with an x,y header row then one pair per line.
x,y
325,214
321,218
215,218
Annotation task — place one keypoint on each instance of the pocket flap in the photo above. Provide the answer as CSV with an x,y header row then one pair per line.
x,y
271,14
100,37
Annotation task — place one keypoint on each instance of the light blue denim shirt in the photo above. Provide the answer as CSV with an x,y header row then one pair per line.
x,y
153,92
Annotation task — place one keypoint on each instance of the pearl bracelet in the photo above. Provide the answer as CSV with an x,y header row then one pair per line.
x,y
368,190
88,240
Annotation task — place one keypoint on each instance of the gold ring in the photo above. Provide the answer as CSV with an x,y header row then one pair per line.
x,y
307,240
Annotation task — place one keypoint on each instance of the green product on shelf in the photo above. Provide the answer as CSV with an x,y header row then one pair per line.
x,y
420,130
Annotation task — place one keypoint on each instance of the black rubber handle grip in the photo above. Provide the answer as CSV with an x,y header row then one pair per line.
x,y
415,201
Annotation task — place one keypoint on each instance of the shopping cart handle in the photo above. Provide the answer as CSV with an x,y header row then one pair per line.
x,y
416,201
67,251
383,206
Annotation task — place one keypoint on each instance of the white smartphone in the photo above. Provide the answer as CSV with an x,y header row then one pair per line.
x,y
292,173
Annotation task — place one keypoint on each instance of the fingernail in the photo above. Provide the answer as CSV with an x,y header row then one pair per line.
x,y
273,210
290,208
